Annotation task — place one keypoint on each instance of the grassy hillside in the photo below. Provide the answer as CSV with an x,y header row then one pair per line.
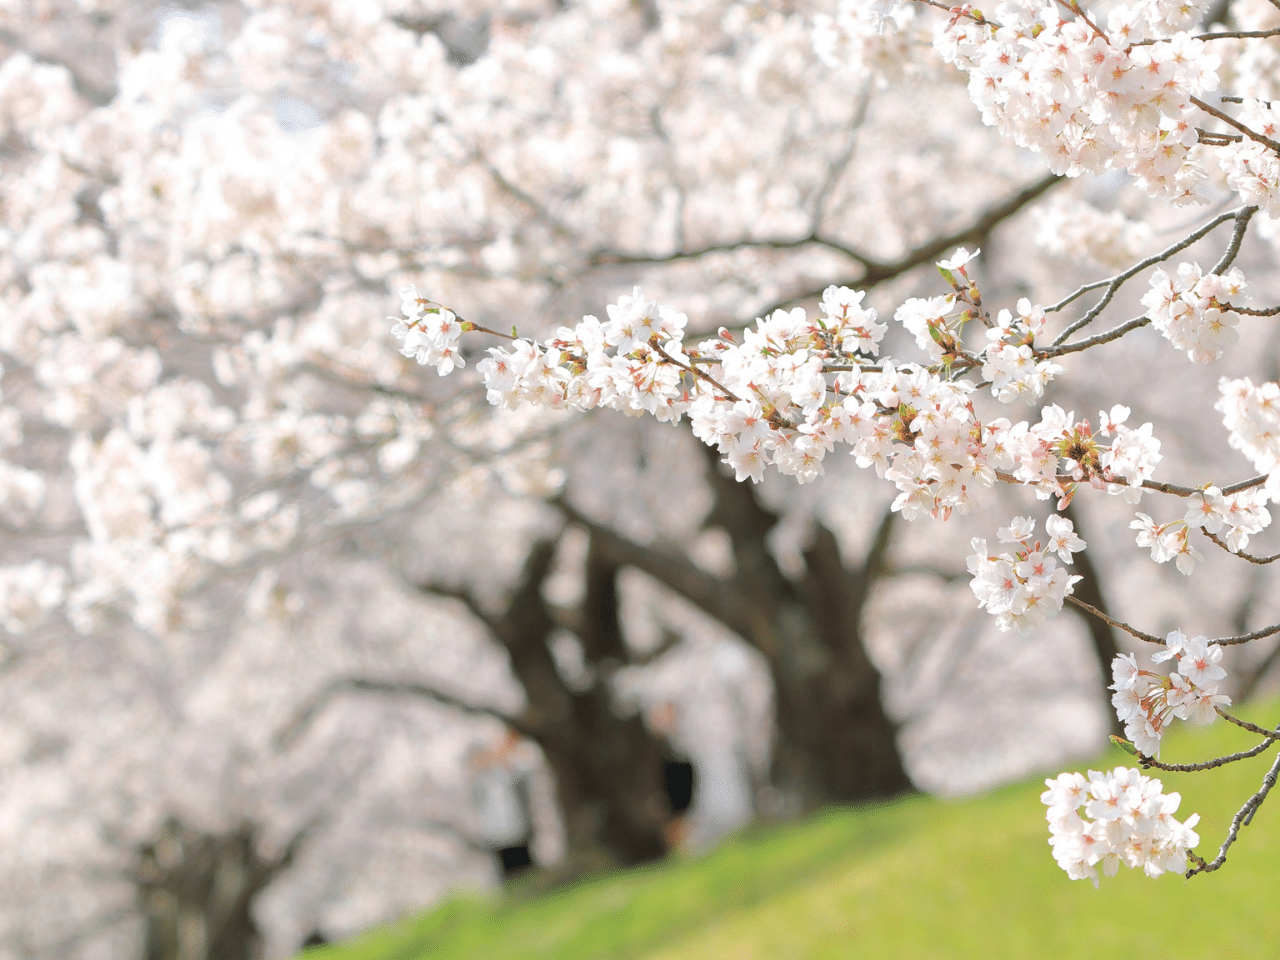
x,y
921,878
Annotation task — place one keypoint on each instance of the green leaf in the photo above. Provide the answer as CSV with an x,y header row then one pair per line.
x,y
1124,745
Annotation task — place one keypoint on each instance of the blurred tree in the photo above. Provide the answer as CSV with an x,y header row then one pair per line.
x,y
217,473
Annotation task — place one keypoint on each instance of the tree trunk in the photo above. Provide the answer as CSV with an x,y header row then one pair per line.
x,y
835,742
196,891
1089,589
607,768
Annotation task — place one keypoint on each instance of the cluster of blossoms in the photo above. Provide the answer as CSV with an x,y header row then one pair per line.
x,y
1194,310
796,386
1010,362
1090,96
1253,167
1024,588
429,332
1252,417
1146,701
1240,515
1130,822
28,592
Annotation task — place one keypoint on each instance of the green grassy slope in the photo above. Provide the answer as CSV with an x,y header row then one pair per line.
x,y
921,878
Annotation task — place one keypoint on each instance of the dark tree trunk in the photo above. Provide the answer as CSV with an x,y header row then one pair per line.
x,y
1089,589
607,768
196,891
835,742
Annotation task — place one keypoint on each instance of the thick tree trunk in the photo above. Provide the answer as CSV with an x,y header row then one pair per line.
x,y
607,768
835,742
1089,589
196,891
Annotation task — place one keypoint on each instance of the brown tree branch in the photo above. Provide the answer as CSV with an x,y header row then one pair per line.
x,y
1132,631
298,725
1242,819
1209,764
716,597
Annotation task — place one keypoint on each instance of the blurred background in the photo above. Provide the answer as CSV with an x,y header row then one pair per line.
x,y
299,638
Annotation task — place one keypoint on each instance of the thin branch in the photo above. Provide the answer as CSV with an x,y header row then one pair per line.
x,y
1115,333
290,733
877,273
838,166
1237,237
1120,279
1246,725
1118,624
1209,764
1178,491
718,598
1251,312
670,640
1233,122
1261,561
1225,35
541,212
609,258
462,595
1242,818
1076,295
980,228
1217,139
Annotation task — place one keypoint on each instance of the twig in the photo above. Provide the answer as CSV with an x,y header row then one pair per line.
x,y
1261,561
1233,122
700,374
479,329
1116,282
1209,764
1074,7
1242,818
1119,624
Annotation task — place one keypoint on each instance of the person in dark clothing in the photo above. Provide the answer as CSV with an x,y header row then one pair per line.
x,y
679,778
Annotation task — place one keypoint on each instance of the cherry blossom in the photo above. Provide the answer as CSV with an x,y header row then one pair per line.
x,y
1194,311
1145,702
207,212
1128,819
1024,588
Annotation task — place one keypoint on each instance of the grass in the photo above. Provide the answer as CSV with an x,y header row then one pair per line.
x,y
918,878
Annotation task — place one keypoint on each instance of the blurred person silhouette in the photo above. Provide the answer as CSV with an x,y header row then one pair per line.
x,y
504,801
679,778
